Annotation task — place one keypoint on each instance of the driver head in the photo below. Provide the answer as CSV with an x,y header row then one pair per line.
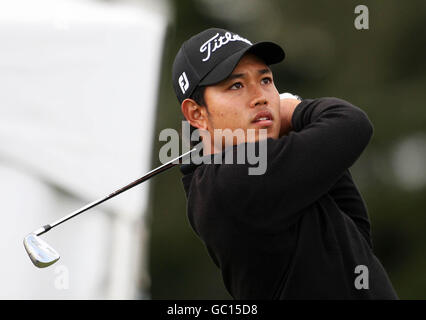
x,y
40,253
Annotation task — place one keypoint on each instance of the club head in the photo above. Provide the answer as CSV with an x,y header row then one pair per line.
x,y
41,254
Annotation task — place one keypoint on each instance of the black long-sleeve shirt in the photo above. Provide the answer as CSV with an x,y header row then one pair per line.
x,y
299,230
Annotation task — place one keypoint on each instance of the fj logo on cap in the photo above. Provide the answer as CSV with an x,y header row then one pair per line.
x,y
183,82
220,41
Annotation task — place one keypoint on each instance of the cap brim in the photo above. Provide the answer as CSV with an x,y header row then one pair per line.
x,y
269,52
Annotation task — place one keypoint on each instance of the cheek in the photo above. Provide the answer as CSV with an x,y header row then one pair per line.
x,y
226,115
232,118
218,115
275,102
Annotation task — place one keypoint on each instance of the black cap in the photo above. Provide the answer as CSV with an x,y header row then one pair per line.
x,y
210,57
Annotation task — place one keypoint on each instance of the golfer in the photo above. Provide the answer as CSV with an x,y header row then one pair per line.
x,y
300,230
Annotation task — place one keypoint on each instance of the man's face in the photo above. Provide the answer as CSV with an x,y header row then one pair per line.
x,y
247,99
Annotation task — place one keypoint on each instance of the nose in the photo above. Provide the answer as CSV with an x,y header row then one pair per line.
x,y
259,98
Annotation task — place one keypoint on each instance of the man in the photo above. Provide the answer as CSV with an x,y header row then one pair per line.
x,y
301,229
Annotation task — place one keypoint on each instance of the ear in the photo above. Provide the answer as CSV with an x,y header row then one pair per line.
x,y
194,113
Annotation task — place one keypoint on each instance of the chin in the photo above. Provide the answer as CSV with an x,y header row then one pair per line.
x,y
272,136
270,133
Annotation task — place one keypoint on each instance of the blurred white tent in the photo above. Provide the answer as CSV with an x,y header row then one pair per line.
x,y
78,88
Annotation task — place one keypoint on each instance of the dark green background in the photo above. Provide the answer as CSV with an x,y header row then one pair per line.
x,y
381,70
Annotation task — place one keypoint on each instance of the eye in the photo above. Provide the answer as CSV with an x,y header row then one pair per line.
x,y
236,86
267,80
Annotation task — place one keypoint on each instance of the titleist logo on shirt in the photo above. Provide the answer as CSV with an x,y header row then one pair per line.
x,y
218,41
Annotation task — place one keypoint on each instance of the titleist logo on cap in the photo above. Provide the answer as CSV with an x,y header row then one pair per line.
x,y
219,42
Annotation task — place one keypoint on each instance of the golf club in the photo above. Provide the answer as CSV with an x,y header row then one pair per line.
x,y
43,255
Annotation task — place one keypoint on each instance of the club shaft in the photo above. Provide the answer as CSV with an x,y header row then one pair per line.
x,y
147,176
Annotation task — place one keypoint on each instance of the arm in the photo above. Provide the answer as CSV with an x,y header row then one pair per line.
x,y
349,200
328,136
344,192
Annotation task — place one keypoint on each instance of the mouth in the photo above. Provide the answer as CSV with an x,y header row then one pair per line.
x,y
263,119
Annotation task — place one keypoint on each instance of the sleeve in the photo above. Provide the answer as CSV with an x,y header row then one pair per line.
x,y
329,134
349,200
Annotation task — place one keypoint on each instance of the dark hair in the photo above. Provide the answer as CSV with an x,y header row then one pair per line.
x,y
198,97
